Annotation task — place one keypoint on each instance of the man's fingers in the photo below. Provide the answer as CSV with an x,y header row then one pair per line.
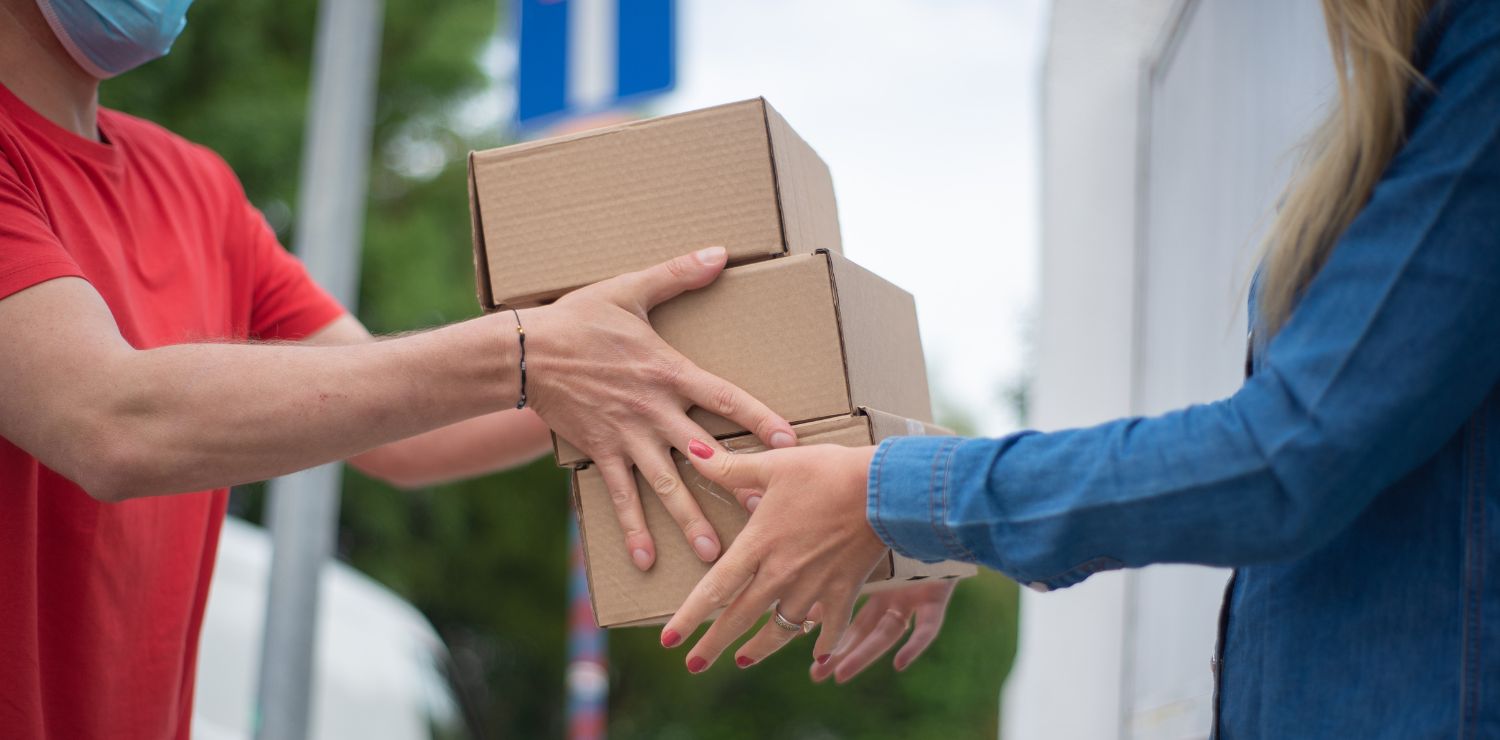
x,y
864,623
644,289
620,483
657,468
890,625
929,623
715,591
722,398
749,498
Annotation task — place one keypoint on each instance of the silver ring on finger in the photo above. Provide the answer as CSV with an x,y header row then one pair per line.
x,y
805,627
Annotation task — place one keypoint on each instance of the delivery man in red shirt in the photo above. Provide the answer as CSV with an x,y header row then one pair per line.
x,y
139,296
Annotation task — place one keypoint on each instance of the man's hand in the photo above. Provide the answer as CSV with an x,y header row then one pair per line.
x,y
882,621
603,380
806,551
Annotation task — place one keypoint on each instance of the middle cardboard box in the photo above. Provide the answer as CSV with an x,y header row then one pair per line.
x,y
812,336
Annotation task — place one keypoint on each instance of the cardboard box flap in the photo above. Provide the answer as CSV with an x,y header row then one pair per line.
x,y
882,343
809,209
884,425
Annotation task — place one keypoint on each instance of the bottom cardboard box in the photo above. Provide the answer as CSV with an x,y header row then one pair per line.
x,y
623,596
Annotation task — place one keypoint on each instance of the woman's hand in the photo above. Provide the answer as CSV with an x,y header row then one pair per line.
x,y
602,379
882,621
807,545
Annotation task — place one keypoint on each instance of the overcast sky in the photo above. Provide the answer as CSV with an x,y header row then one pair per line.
x,y
926,111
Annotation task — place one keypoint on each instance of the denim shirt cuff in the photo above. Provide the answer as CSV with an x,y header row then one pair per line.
x,y
908,496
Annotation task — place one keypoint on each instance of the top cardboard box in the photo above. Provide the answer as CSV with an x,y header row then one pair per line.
x,y
553,215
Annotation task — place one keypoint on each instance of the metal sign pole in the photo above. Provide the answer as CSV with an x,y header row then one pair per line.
x,y
303,507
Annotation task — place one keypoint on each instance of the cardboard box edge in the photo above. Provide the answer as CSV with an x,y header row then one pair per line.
x,y
482,288
841,266
781,147
583,544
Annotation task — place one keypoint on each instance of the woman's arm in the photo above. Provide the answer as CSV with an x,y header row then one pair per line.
x,y
1394,344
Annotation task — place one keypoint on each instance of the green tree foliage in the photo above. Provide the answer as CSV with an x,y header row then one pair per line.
x,y
486,560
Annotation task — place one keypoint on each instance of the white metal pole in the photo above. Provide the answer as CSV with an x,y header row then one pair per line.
x,y
303,508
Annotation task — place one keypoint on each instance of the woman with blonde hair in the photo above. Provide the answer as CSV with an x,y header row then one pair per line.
x,y
1353,482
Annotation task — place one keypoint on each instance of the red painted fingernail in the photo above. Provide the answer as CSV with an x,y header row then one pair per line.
x,y
700,450
670,639
823,658
697,664
744,661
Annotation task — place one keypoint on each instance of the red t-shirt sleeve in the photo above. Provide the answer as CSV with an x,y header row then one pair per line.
x,y
30,252
285,302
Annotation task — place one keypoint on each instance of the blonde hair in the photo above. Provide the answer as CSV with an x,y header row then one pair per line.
x,y
1372,43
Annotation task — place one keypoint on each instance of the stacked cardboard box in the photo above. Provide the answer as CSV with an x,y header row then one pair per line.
x,y
829,346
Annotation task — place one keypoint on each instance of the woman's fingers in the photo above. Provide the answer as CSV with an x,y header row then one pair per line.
x,y
741,615
681,431
728,469
620,482
929,623
720,397
715,591
656,467
838,608
772,635
890,625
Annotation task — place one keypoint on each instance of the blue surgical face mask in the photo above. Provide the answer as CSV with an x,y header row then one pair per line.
x,y
107,37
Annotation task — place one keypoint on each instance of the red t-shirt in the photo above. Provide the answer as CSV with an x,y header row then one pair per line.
x,y
101,604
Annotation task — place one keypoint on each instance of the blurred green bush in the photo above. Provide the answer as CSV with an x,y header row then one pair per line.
x,y
487,560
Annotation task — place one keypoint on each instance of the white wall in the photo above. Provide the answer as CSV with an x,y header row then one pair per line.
x,y
1168,129
1066,682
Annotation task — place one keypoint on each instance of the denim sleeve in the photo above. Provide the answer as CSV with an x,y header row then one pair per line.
x,y
1392,347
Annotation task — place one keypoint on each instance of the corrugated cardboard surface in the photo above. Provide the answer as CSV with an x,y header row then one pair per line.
x,y
776,329
809,213
624,596
879,324
561,213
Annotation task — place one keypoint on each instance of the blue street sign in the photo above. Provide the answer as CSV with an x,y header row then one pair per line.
x,y
579,57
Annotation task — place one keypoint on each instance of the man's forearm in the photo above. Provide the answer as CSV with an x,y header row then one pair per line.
x,y
466,449
189,417
470,448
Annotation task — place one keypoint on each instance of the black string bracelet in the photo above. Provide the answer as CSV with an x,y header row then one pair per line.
x,y
521,331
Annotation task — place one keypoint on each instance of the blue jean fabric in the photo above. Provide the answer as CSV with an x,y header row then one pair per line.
x,y
1353,481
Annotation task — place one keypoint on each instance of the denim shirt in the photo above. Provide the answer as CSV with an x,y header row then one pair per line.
x,y
1353,481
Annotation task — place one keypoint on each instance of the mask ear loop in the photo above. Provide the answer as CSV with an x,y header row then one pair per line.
x,y
60,31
